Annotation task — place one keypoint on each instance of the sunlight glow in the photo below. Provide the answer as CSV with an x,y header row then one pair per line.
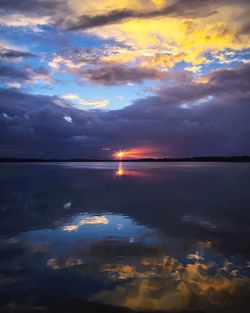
x,y
136,153
120,154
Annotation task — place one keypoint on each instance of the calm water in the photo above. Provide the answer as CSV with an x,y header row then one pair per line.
x,y
143,236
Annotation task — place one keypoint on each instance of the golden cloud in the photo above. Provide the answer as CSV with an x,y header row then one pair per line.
x,y
167,39
166,284
93,220
78,100
187,41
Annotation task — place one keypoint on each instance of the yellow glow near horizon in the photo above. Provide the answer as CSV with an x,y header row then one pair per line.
x,y
137,153
120,154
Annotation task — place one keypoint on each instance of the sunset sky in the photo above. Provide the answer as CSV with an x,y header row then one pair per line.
x,y
84,78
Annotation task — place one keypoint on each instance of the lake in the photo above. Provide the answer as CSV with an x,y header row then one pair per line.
x,y
92,237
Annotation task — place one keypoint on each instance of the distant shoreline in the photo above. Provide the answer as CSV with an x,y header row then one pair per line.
x,y
239,159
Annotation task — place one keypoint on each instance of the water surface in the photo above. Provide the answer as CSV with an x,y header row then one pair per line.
x,y
141,236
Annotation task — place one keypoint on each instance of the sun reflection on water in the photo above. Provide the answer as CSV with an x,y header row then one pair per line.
x,y
121,171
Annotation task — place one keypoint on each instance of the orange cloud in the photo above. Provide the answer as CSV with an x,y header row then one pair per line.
x,y
137,153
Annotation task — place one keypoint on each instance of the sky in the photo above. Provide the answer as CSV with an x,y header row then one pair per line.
x,y
153,78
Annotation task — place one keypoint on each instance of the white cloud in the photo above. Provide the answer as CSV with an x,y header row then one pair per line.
x,y
15,85
71,96
68,118
76,99
19,20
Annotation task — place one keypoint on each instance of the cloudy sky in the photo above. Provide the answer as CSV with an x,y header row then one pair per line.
x,y
84,78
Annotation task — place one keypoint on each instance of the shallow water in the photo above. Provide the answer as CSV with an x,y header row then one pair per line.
x,y
148,236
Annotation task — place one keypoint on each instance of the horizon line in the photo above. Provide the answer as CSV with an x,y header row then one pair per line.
x,y
238,158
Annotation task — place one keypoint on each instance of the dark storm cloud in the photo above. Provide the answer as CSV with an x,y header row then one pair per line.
x,y
11,73
230,79
36,125
195,8
53,10
14,54
40,7
112,17
224,82
85,22
119,74
192,118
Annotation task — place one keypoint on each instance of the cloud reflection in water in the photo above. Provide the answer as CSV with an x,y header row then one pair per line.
x,y
105,239
95,220
142,272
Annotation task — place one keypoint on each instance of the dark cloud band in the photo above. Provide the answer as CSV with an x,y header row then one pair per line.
x,y
120,74
192,118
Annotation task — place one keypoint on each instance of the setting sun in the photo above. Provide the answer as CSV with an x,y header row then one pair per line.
x,y
137,153
120,154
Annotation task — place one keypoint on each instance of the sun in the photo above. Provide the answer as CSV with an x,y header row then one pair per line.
x,y
120,154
